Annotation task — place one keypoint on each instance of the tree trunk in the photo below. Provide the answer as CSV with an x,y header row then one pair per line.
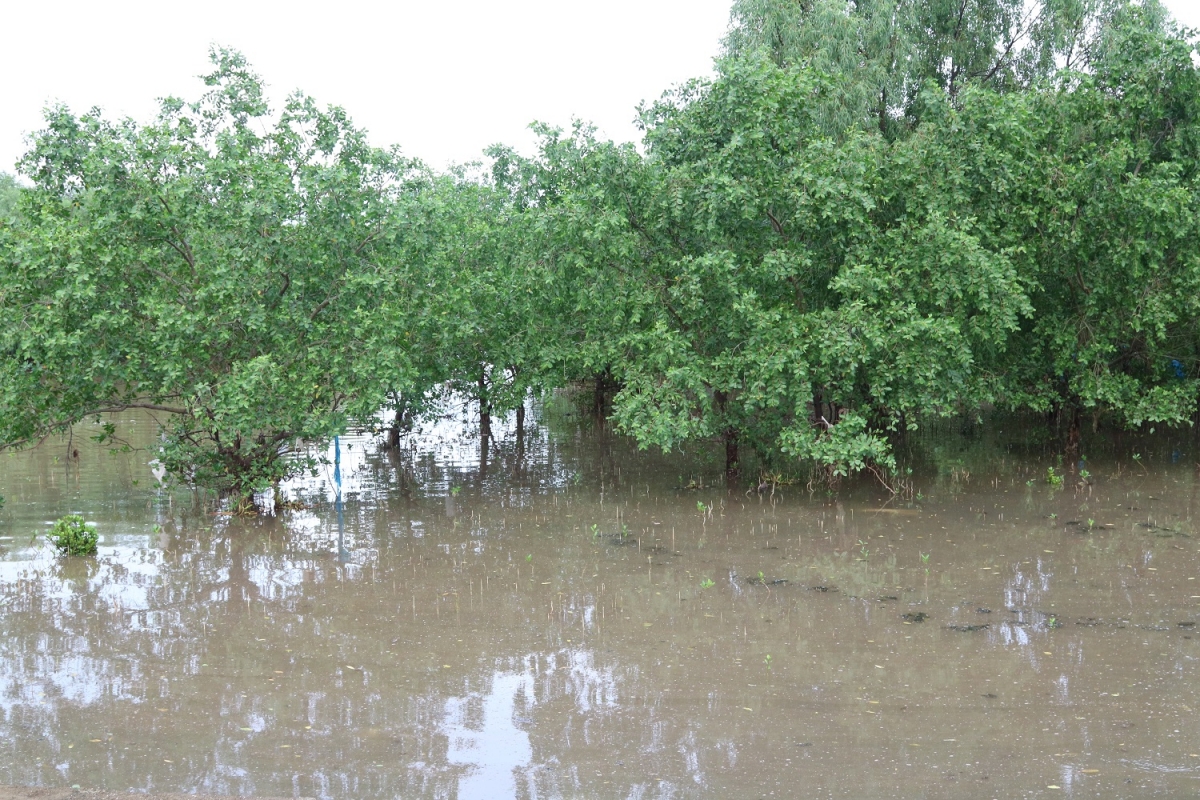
x,y
606,385
485,409
1073,432
733,466
393,438
1196,422
521,428
729,435
818,404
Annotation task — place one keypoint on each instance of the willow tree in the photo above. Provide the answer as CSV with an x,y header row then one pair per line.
x,y
881,54
223,266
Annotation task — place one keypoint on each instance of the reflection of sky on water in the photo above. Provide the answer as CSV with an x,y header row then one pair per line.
x,y
488,730
443,452
485,739
192,611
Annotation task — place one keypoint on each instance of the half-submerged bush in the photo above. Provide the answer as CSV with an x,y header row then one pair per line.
x,y
74,537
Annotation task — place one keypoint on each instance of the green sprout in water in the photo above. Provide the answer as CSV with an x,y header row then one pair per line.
x,y
767,660
707,583
863,550
529,557
1053,478
74,537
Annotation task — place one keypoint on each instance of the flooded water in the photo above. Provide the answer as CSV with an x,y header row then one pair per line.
x,y
588,621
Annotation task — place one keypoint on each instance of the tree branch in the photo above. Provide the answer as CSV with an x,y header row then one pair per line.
x,y
146,406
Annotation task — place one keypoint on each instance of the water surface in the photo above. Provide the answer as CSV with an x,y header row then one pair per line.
x,y
583,620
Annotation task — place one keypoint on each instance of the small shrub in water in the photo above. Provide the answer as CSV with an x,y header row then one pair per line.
x,y
74,537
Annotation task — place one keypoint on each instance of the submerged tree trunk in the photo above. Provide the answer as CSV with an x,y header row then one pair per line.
x,y
733,467
485,409
402,420
1196,423
521,429
605,383
399,427
1073,432
729,435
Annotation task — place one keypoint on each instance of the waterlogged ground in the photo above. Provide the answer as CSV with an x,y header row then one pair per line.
x,y
587,621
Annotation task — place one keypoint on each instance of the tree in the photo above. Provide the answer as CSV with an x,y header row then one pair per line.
x,y
756,279
223,266
488,309
10,194
881,54
1091,185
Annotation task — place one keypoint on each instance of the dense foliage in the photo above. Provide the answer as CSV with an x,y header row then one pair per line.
x,y
10,194
875,212
71,536
198,266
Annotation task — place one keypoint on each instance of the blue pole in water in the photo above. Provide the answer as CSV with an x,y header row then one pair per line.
x,y
343,556
337,472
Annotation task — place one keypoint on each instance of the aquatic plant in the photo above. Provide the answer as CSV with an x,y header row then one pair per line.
x,y
74,537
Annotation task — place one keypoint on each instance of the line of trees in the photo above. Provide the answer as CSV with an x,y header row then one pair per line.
x,y
876,211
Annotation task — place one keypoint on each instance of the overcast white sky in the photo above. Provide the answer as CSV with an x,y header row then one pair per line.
x,y
442,80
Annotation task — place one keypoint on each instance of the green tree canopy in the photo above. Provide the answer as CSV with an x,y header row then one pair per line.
x,y
10,194
228,267
881,54
1091,184
750,268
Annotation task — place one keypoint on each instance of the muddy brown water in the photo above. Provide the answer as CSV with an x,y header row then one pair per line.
x,y
589,621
